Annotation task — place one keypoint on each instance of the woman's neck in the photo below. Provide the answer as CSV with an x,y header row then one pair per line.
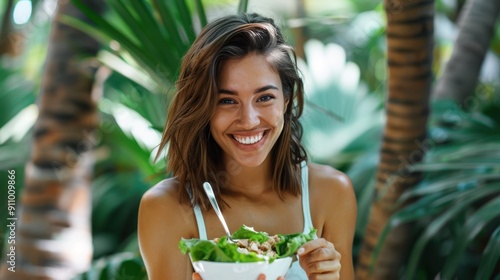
x,y
247,182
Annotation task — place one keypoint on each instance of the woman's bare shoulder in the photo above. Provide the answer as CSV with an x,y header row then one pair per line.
x,y
163,222
163,190
161,203
325,178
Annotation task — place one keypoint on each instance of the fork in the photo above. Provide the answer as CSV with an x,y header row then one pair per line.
x,y
211,197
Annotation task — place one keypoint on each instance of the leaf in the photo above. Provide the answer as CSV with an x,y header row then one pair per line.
x,y
142,53
448,183
185,17
17,93
437,224
201,12
117,266
436,167
15,155
364,204
289,244
242,6
426,206
491,256
134,74
168,20
484,215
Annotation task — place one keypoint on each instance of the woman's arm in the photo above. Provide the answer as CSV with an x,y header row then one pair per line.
x,y
334,211
162,222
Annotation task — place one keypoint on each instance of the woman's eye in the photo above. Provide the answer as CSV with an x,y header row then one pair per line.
x,y
226,101
265,98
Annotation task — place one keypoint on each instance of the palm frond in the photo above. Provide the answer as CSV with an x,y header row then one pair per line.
x,y
459,195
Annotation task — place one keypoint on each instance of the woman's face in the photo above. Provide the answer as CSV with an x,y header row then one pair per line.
x,y
249,114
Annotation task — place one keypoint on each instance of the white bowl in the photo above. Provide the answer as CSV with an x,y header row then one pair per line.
x,y
242,271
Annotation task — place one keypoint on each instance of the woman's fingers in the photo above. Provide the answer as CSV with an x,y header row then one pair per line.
x,y
313,245
263,277
318,250
196,276
322,266
320,260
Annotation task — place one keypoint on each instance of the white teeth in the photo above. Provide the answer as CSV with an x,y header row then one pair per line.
x,y
249,140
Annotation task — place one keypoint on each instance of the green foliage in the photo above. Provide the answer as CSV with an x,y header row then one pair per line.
x,y
123,266
16,117
147,39
16,94
338,107
458,202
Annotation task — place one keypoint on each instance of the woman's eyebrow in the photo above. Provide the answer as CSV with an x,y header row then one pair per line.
x,y
264,88
261,89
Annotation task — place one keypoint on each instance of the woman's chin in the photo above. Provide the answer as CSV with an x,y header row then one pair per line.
x,y
248,162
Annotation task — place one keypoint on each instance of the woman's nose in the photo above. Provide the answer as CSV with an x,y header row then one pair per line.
x,y
249,117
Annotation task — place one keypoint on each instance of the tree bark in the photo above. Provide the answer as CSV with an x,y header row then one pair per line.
x,y
477,26
53,237
410,29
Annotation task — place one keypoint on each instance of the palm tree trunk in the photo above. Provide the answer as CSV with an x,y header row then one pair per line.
x,y
410,31
53,237
477,25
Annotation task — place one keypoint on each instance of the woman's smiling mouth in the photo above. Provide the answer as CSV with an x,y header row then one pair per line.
x,y
248,140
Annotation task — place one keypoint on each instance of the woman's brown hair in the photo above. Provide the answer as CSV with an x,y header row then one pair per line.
x,y
193,156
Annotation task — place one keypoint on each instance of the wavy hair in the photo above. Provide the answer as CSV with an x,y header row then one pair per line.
x,y
193,156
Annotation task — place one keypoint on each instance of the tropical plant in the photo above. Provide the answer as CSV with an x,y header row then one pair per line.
x,y
456,207
338,108
150,61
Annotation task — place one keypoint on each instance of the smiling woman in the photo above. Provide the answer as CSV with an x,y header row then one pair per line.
x,y
234,122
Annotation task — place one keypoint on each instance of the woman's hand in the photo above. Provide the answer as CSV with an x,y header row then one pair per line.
x,y
263,277
320,260
197,276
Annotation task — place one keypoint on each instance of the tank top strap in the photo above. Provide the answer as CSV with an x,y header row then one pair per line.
x,y
200,222
305,198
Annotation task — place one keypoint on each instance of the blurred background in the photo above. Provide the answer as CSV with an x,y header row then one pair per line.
x,y
82,110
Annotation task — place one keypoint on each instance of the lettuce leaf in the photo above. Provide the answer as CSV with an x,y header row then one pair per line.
x,y
225,251
245,232
289,244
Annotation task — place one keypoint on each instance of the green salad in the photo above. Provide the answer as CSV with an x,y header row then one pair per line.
x,y
251,246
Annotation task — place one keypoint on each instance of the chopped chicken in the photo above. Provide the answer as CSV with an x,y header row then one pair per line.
x,y
267,248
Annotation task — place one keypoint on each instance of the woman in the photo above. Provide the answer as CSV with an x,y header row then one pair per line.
x,y
234,123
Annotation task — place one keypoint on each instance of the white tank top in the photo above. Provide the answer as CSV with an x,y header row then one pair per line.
x,y
295,272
